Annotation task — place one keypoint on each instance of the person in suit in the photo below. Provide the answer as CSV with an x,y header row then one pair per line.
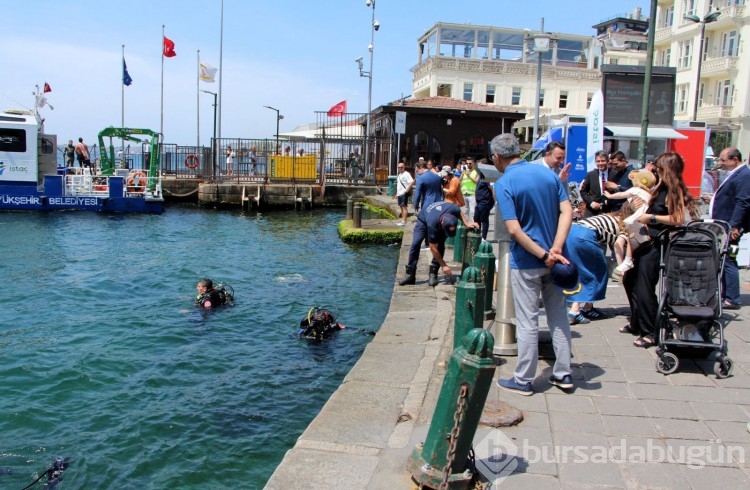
x,y
618,179
731,203
593,184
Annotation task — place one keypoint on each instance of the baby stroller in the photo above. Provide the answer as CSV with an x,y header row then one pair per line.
x,y
691,264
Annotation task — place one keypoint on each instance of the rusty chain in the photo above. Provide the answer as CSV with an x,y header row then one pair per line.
x,y
453,436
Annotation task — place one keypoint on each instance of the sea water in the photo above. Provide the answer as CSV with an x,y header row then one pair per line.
x,y
104,359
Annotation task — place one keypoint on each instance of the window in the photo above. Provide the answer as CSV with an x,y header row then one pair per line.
x,y
701,88
724,92
468,91
515,99
541,97
444,90
589,97
506,46
13,140
665,57
685,57
688,7
706,46
668,19
490,94
682,98
563,99
728,44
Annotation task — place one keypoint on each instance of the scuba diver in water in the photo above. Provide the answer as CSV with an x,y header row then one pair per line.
x,y
213,297
319,324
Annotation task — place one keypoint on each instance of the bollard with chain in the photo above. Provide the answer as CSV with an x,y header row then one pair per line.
x,y
459,241
484,260
469,304
471,247
442,460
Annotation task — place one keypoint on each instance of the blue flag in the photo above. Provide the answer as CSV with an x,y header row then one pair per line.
x,y
126,80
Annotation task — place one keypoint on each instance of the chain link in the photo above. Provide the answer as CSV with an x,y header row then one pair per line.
x,y
453,437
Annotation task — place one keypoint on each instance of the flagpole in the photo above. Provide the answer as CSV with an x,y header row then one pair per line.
x,y
198,102
161,126
122,119
221,57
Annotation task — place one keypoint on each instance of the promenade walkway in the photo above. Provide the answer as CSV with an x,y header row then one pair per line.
x,y
624,426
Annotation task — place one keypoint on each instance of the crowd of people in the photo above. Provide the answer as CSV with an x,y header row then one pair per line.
x,y
622,213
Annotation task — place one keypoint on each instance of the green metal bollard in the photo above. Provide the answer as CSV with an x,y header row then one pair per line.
x,y
484,261
471,247
469,304
450,241
443,457
459,242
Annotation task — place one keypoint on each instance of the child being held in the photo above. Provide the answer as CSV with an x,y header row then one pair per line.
x,y
643,181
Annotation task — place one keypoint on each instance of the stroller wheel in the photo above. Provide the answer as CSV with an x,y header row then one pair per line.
x,y
723,369
667,363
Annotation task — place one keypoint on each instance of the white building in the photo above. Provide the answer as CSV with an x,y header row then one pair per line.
x,y
498,65
723,98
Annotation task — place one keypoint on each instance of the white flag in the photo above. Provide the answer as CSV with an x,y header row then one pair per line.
x,y
207,72
41,101
595,133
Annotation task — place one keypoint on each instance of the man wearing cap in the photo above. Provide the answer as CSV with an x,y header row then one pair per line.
x,y
451,187
534,204
469,179
435,222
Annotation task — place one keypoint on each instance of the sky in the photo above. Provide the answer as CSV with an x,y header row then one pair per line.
x,y
295,55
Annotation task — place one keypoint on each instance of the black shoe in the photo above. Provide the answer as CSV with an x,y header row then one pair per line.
x,y
728,305
565,383
593,314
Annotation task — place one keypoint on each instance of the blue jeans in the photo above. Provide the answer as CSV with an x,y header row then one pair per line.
x,y
420,234
730,281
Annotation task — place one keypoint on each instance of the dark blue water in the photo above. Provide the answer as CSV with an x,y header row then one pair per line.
x,y
104,360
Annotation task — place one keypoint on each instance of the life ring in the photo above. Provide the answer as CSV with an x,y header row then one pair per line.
x,y
137,182
192,161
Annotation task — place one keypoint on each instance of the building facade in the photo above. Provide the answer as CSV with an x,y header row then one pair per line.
x,y
498,65
712,83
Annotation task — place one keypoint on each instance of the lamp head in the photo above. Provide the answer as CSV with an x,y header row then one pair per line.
x,y
369,3
370,47
281,116
358,60
376,25
712,16
692,18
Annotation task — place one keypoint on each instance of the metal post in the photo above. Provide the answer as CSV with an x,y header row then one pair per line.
x,y
643,140
214,142
538,87
484,261
504,329
443,458
371,48
357,216
469,304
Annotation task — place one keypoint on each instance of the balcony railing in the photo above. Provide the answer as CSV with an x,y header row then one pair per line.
x,y
503,67
662,34
717,66
706,113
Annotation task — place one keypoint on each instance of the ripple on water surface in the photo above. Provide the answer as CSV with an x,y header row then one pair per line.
x,y
103,358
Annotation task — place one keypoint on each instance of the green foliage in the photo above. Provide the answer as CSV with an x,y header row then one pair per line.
x,y
349,234
382,212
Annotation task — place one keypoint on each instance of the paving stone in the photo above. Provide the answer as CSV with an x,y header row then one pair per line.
x,y
622,426
566,403
729,431
653,476
599,374
721,411
682,429
602,362
577,463
604,388
699,453
644,376
620,406
527,481
633,449
670,409
583,350
711,477
322,470
581,423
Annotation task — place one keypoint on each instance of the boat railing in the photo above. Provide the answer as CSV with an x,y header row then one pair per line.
x,y
135,184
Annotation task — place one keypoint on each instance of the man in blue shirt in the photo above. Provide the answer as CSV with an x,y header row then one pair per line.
x,y
534,206
429,187
436,222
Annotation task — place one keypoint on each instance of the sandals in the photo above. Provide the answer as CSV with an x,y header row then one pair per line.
x,y
627,329
644,342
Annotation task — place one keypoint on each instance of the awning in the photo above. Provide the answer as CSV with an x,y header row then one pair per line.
x,y
635,132
336,132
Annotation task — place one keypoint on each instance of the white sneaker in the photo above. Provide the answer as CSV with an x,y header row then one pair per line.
x,y
400,223
626,265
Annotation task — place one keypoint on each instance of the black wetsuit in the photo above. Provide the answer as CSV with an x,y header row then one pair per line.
x,y
212,298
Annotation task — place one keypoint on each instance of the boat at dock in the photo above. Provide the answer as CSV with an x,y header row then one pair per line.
x,y
30,179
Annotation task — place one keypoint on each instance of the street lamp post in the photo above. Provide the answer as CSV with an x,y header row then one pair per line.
x,y
214,148
375,25
711,17
279,117
541,45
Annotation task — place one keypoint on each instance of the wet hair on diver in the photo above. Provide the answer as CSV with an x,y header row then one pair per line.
x,y
208,283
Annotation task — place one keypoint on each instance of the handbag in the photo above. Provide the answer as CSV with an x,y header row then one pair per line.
x,y
638,234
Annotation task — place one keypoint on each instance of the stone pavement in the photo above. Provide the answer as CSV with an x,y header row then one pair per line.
x,y
623,426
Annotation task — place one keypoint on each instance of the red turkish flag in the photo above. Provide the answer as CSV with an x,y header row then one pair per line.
x,y
47,88
169,48
338,109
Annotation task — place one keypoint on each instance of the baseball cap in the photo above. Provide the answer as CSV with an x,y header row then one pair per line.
x,y
565,276
445,171
450,221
